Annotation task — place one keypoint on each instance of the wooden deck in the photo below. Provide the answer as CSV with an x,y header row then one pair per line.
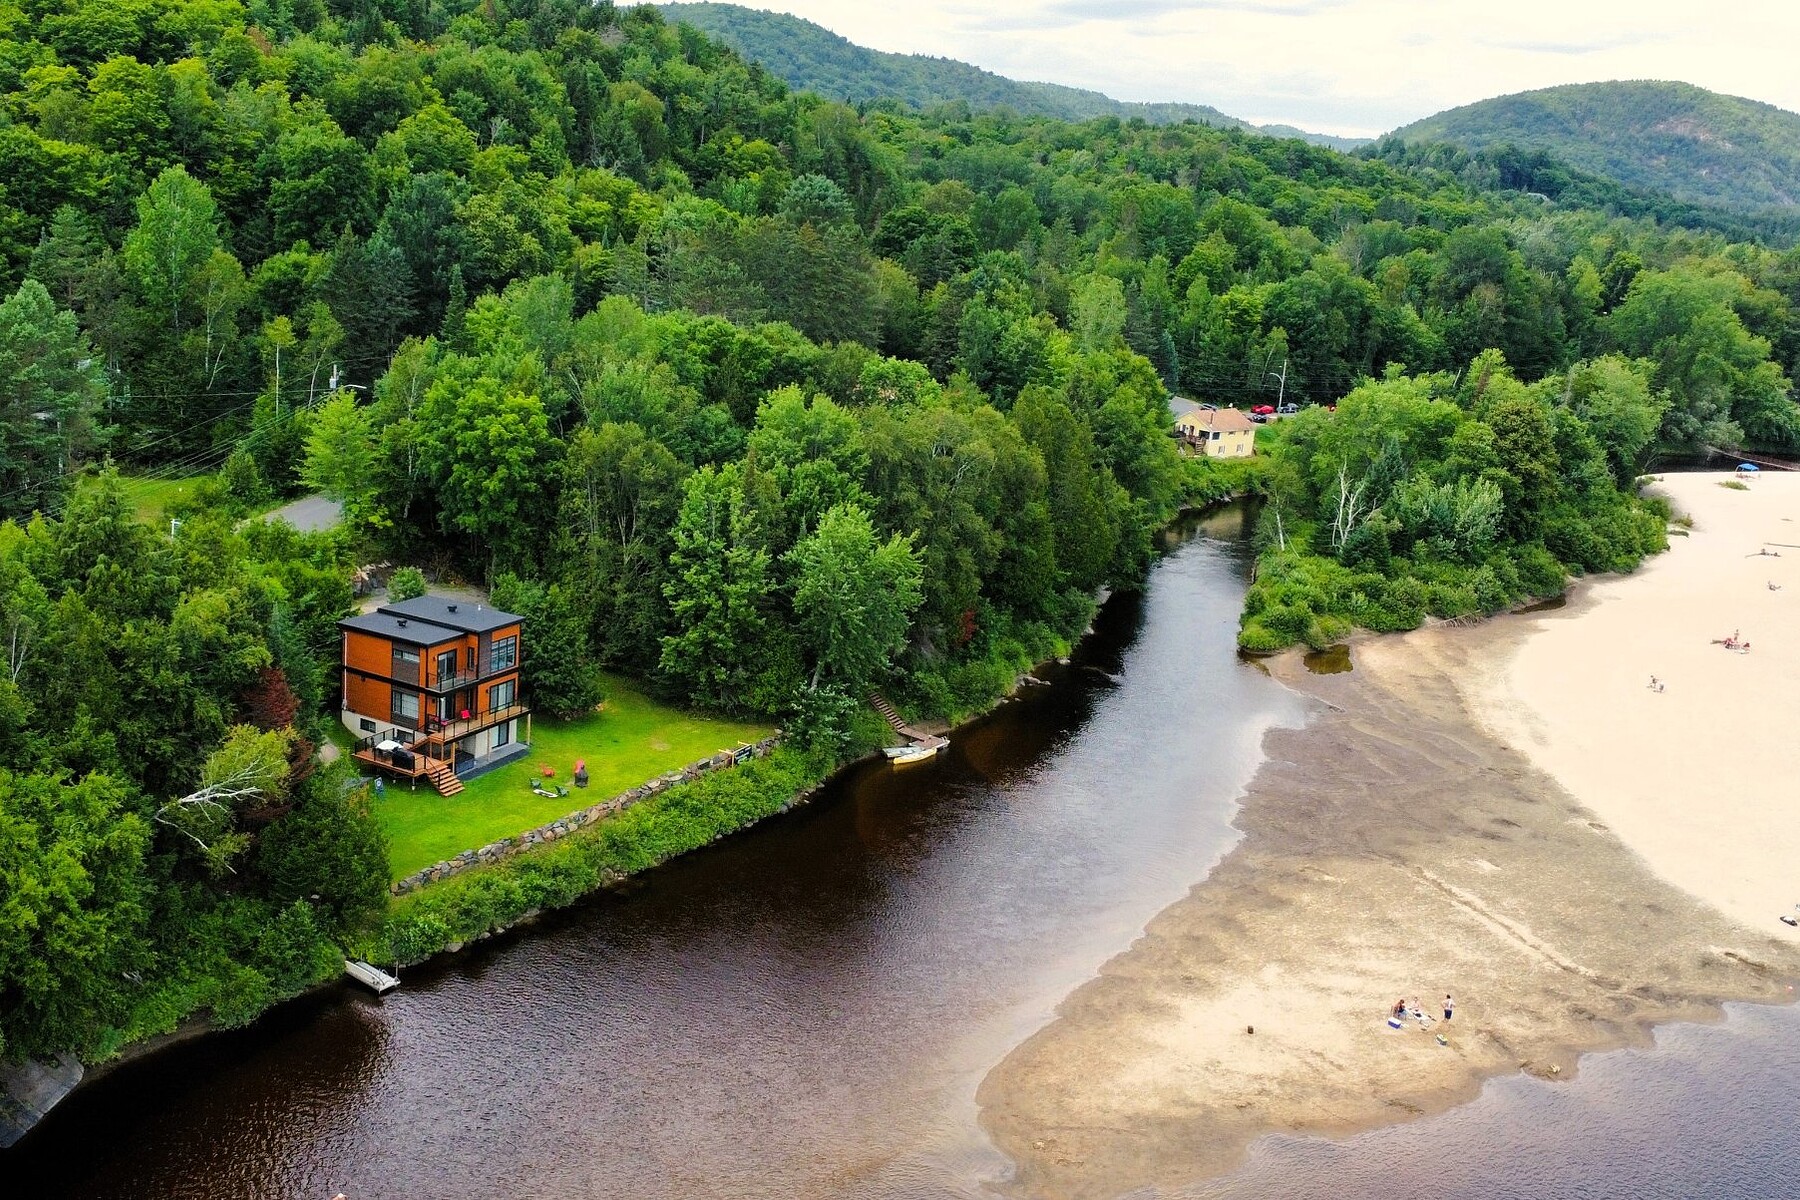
x,y
438,772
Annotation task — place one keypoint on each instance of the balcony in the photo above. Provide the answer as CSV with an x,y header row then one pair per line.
x,y
437,729
485,669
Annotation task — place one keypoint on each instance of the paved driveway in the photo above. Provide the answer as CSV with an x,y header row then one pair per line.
x,y
309,514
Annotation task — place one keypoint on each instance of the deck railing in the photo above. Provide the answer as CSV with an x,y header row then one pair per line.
x,y
439,729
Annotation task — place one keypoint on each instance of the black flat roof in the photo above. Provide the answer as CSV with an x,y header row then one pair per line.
x,y
452,614
401,629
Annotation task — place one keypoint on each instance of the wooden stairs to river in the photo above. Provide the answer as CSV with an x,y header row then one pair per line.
x,y
444,779
917,737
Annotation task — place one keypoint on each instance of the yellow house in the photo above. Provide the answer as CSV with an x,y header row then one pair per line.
x,y
1218,432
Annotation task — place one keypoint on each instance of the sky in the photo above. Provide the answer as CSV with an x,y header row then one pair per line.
x,y
1352,67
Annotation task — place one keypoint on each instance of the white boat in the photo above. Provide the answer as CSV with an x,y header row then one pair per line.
x,y
901,756
372,977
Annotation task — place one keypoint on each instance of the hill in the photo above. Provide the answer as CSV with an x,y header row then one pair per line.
x,y
811,58
1671,137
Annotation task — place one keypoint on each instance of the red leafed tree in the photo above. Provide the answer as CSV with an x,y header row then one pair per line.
x,y
269,703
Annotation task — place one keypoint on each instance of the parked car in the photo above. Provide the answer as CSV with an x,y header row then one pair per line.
x,y
1263,410
1288,410
1259,417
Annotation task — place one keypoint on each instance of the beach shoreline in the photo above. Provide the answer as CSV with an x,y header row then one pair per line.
x,y
1431,829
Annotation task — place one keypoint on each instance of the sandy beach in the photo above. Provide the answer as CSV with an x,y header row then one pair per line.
x,y
1700,778
1506,812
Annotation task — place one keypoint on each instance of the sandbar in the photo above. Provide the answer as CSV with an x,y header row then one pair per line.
x,y
1500,811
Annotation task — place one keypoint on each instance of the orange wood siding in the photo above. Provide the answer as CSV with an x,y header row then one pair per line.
x,y
510,631
366,652
488,686
367,697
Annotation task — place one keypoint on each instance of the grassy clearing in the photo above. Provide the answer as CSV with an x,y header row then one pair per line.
x,y
634,740
152,497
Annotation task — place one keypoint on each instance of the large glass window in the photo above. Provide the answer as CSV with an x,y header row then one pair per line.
x,y
406,705
504,654
501,695
446,664
502,734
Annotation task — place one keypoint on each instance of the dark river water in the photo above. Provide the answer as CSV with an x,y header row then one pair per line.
x,y
807,1009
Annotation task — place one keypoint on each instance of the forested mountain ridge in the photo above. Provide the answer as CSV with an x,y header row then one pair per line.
x,y
814,59
1694,144
742,391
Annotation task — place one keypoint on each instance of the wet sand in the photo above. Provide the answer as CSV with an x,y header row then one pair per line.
x,y
1398,845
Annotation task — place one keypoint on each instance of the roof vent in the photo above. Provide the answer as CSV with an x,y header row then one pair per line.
x,y
401,621
451,607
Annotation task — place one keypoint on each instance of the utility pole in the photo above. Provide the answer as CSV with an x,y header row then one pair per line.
x,y
1280,396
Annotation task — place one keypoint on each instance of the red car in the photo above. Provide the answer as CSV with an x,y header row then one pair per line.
x,y
1264,410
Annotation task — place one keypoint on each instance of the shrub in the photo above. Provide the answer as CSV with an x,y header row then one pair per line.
x,y
406,583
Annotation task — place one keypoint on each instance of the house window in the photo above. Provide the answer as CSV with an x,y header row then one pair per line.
x,y
403,655
406,706
1215,435
446,664
504,654
502,734
365,724
469,660
501,695
446,707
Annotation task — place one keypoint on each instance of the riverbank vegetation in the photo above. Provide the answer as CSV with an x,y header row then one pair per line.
x,y
754,397
1450,497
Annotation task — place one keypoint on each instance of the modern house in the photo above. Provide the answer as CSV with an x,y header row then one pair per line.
x,y
1217,432
431,689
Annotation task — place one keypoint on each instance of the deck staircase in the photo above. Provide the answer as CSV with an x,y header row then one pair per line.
x,y
444,779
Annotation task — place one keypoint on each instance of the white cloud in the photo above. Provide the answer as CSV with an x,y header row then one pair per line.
x,y
1356,67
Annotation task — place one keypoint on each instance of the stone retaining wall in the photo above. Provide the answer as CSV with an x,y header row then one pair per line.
x,y
580,818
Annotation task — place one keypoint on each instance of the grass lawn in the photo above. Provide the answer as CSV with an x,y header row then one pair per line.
x,y
632,742
150,497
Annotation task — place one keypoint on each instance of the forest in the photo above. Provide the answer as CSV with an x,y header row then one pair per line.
x,y
1700,146
756,396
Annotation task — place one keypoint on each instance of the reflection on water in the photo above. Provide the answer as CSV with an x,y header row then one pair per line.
x,y
1333,660
1710,1112
805,1010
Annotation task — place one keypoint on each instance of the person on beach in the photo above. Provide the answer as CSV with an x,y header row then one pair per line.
x,y
1447,1006
1400,1008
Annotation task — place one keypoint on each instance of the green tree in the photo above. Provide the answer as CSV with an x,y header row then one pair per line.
x,y
72,913
340,453
488,450
51,389
853,597
560,674
328,851
720,591
170,250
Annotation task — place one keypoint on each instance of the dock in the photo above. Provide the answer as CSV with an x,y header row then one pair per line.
x,y
374,978
919,744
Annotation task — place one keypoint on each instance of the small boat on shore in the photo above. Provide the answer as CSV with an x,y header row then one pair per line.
x,y
914,752
372,977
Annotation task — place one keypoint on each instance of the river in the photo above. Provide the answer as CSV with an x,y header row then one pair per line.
x,y
807,1009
